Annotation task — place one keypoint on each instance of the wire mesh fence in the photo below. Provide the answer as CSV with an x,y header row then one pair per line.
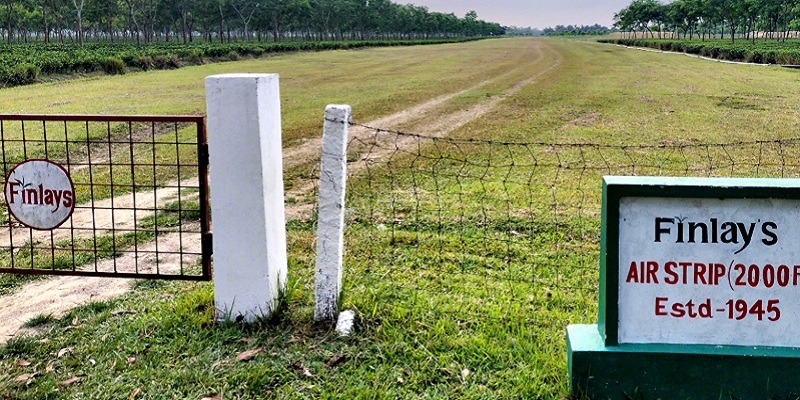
x,y
140,197
463,223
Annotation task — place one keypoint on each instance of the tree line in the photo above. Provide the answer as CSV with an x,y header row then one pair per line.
x,y
146,21
522,31
576,30
748,19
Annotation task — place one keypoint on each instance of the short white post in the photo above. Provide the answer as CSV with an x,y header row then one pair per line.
x,y
330,220
247,200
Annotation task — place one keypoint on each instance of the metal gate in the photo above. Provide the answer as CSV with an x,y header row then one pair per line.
x,y
140,196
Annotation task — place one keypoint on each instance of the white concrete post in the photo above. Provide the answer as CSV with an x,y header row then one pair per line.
x,y
247,208
330,220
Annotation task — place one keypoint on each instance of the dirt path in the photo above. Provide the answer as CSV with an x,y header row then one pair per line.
x,y
55,296
424,117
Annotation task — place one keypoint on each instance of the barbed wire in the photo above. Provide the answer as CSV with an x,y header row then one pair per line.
x,y
447,217
563,144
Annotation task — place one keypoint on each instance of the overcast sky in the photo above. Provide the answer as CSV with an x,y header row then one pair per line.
x,y
533,13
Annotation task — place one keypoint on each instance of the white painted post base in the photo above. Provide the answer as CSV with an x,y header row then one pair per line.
x,y
247,200
330,221
344,325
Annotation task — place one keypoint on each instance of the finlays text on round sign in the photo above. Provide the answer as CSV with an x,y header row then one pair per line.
x,y
40,194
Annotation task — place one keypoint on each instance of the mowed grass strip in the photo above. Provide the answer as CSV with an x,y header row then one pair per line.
x,y
375,82
452,305
624,96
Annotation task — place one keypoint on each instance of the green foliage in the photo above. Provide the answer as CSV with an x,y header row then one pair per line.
x,y
114,66
762,52
153,21
24,63
146,63
160,61
736,19
194,56
576,30
173,61
39,320
23,74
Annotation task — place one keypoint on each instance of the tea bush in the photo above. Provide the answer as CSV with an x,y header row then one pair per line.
x,y
22,63
762,52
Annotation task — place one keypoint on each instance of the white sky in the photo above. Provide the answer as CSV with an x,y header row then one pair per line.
x,y
534,13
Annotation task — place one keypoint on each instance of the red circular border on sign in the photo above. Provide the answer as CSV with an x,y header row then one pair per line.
x,y
71,184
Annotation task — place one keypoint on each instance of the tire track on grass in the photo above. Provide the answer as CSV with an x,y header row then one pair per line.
x,y
381,147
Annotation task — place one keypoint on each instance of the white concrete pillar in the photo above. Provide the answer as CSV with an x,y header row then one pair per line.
x,y
247,208
330,221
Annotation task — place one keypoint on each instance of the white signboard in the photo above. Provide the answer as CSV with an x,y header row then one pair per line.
x,y
709,271
40,194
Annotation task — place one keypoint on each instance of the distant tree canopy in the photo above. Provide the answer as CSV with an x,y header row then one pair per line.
x,y
520,31
576,30
145,21
701,18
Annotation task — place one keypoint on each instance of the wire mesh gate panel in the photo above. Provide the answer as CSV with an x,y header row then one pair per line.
x,y
141,197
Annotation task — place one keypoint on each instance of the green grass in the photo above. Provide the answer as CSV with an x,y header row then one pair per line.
x,y
375,82
39,320
465,261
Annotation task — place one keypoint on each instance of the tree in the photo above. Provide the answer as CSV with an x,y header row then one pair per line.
x,y
145,21
470,20
245,9
276,11
79,13
182,7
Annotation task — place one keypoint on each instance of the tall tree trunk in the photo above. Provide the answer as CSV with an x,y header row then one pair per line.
x,y
9,30
46,28
221,23
111,26
135,22
184,26
190,29
79,14
59,31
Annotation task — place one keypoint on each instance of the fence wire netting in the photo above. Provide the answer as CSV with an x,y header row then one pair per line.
x,y
503,229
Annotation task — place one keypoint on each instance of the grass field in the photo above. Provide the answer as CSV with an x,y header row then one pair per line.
x,y
388,80
466,298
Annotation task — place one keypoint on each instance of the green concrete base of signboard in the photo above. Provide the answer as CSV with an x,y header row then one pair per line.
x,y
657,371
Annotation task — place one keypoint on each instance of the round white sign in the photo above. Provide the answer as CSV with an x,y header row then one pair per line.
x,y
40,194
